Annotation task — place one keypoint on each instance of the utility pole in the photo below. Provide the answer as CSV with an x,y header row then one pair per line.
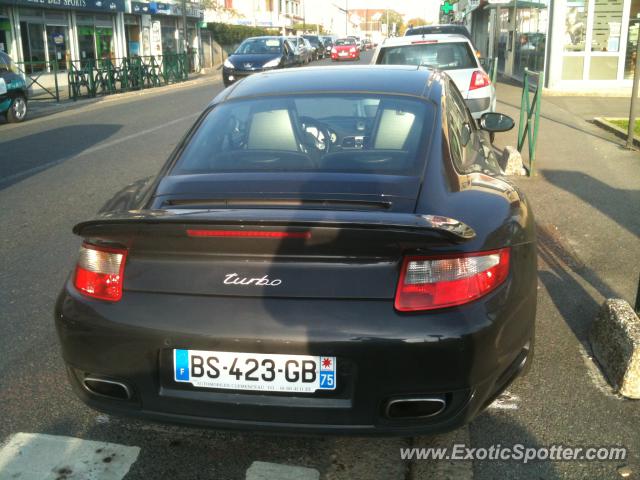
x,y
388,30
184,26
346,18
634,102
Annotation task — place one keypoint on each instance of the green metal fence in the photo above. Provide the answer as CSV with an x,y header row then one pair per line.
x,y
35,75
102,77
530,114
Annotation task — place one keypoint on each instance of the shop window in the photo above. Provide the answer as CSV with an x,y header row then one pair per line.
x,y
169,44
132,35
632,40
603,67
607,25
5,35
576,26
104,43
58,41
86,44
572,67
33,46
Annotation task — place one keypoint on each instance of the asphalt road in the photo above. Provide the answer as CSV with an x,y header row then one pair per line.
x,y
58,170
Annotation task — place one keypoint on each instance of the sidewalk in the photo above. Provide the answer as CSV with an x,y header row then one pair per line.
x,y
41,108
587,185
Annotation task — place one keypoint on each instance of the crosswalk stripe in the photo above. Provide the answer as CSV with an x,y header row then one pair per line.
x,y
35,456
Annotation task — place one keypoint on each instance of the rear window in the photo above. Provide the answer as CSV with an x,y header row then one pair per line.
x,y
445,56
325,133
345,41
442,29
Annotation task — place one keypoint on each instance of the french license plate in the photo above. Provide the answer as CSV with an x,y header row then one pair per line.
x,y
255,371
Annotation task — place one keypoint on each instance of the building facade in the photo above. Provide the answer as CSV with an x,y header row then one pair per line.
x,y
582,45
40,32
282,14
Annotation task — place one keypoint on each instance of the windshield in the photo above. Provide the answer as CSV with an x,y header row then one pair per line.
x,y
357,133
260,46
445,56
345,41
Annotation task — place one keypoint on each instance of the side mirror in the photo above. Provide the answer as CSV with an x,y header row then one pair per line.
x,y
496,122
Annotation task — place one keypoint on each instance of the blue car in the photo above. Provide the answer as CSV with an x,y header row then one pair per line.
x,y
13,91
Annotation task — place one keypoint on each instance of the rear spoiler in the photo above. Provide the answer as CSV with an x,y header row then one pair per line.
x,y
409,222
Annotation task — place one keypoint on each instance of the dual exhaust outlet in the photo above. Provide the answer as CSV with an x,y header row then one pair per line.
x,y
415,407
107,388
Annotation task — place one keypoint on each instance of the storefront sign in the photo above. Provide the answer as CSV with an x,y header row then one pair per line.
x,y
159,8
93,5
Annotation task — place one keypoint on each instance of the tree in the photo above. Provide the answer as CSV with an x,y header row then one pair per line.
x,y
416,22
394,17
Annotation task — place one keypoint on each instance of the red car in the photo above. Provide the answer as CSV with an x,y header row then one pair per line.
x,y
345,49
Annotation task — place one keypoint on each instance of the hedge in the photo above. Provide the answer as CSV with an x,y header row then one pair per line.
x,y
226,34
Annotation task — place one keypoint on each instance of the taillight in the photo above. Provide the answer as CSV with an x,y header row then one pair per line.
x,y
479,79
427,283
352,49
100,271
334,50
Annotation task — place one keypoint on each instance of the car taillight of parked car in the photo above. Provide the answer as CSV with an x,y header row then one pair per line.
x,y
427,283
100,271
479,79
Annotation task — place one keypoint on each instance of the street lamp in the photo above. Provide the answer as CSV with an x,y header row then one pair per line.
x,y
346,18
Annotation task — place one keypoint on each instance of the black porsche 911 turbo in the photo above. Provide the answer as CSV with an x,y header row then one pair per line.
x,y
327,250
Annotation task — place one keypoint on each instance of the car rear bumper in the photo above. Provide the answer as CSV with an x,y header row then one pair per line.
x,y
465,355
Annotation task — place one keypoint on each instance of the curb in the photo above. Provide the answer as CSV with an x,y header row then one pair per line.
x,y
603,123
615,341
69,104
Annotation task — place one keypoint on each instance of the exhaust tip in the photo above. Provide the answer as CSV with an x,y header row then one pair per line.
x,y
415,407
107,388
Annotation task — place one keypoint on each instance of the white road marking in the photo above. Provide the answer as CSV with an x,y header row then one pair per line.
x,y
102,146
102,418
506,401
595,374
276,471
35,456
126,138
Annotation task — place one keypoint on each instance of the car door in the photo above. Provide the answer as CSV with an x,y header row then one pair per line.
x,y
290,58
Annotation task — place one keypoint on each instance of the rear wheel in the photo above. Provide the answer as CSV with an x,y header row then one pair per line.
x,y
17,112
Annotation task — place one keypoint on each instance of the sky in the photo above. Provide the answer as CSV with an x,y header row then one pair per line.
x,y
410,8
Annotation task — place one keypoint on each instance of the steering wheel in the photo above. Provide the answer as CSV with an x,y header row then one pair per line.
x,y
316,134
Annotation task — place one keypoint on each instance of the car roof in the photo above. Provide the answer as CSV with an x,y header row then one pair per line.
x,y
439,37
390,79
